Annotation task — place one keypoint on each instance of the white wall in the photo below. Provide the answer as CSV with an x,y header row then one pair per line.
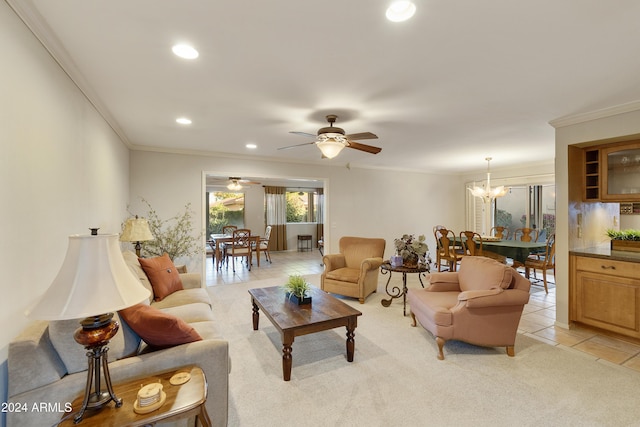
x,y
359,202
610,124
62,170
630,221
293,230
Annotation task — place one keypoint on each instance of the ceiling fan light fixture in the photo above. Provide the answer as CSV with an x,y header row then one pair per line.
x,y
234,185
330,144
400,11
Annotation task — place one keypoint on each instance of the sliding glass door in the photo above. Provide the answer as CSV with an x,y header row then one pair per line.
x,y
530,206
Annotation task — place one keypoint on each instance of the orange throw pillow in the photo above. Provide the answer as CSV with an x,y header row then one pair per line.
x,y
163,276
158,329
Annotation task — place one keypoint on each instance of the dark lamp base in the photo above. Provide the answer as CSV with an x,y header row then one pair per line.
x,y
89,335
94,335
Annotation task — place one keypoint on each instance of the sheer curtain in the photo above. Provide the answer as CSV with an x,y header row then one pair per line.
x,y
320,214
276,210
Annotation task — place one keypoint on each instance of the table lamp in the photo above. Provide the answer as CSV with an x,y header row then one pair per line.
x,y
93,282
136,230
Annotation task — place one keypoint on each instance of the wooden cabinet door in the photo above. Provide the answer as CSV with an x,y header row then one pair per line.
x,y
620,172
608,302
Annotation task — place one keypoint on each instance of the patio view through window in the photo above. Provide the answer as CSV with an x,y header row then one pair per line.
x,y
302,206
225,208
531,206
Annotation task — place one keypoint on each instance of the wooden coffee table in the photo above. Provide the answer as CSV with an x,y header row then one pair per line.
x,y
183,401
292,320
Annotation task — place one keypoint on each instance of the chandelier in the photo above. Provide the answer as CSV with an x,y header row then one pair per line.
x,y
331,143
487,194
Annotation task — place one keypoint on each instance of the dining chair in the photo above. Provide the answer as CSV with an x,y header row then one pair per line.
x,y
544,262
447,249
525,234
263,243
542,237
471,243
500,232
240,246
228,231
210,249
436,228
477,249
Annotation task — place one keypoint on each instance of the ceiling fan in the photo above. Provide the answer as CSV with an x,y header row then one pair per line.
x,y
331,140
234,183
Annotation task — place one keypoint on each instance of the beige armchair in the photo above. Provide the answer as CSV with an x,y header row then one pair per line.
x,y
480,304
354,271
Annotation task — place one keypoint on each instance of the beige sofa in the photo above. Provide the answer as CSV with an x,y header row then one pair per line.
x,y
45,363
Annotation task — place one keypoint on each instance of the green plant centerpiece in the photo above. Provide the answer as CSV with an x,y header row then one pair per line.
x,y
624,240
298,289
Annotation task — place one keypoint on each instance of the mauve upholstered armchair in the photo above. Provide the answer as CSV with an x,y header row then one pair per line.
x,y
481,304
354,271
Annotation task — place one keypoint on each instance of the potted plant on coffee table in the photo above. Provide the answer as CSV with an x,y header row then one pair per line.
x,y
297,289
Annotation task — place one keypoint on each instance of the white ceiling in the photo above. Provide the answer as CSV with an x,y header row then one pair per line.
x,y
460,81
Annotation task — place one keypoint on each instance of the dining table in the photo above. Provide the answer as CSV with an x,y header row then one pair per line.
x,y
216,240
514,249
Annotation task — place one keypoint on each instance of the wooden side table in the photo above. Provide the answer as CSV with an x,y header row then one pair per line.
x,y
304,242
183,401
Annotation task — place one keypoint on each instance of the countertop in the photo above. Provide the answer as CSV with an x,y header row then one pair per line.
x,y
607,253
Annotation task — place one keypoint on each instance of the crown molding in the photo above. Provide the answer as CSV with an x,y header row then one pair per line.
x,y
29,15
574,119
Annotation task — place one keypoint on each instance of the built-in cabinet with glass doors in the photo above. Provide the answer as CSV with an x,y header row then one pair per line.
x,y
612,172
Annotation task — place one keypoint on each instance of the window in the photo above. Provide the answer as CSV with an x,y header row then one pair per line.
x,y
527,204
225,208
531,206
302,206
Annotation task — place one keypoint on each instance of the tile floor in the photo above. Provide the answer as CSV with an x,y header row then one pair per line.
x,y
537,319
283,264
538,322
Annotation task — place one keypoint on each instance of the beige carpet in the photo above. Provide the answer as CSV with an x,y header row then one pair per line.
x,y
396,380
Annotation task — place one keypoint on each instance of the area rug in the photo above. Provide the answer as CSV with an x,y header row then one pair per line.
x,y
396,380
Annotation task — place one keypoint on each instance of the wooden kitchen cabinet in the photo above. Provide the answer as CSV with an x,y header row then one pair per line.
x,y
611,172
606,294
621,173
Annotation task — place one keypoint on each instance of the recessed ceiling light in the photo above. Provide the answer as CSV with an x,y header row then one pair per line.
x,y
400,11
251,146
185,51
183,121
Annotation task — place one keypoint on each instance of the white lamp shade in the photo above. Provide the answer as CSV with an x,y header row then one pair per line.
x,y
94,279
136,230
331,144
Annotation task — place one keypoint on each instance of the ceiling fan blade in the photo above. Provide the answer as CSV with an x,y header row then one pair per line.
x,y
297,145
304,134
364,147
361,135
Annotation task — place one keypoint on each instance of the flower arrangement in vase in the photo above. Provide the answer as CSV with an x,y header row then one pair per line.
x,y
412,250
